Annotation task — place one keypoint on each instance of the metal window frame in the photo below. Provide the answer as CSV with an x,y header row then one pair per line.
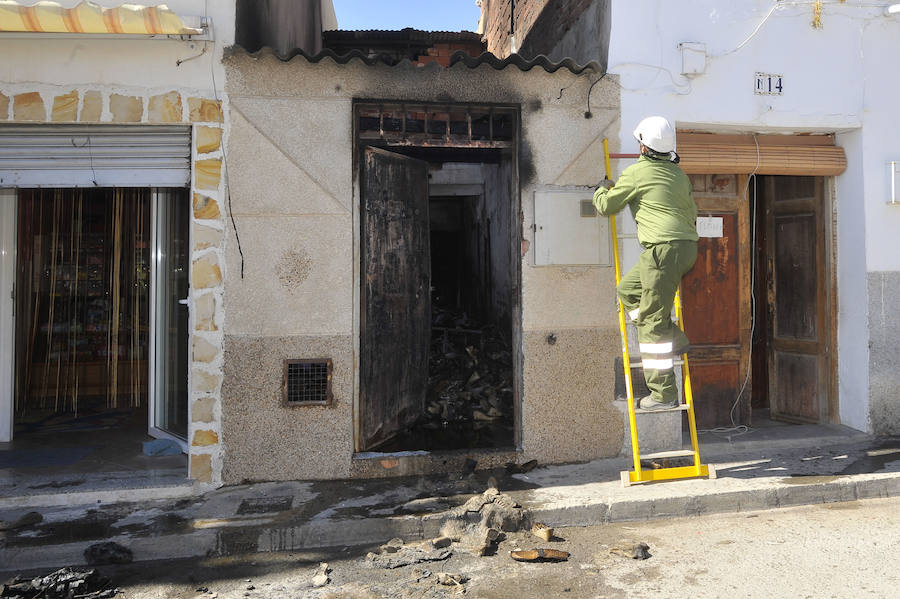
x,y
329,391
425,139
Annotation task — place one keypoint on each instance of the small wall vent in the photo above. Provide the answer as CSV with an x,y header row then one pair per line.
x,y
307,383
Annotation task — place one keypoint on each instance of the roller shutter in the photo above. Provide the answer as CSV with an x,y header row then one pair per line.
x,y
709,154
95,156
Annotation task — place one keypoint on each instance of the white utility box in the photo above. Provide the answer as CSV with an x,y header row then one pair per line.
x,y
567,229
693,58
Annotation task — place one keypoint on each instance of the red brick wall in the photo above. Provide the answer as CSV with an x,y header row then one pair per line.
x,y
539,24
497,22
441,52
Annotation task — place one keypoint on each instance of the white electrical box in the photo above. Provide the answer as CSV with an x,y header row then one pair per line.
x,y
693,58
567,229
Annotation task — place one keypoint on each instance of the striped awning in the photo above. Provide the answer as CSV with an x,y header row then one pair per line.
x,y
88,17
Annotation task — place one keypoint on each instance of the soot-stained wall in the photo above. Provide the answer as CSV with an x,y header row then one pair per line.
x,y
295,203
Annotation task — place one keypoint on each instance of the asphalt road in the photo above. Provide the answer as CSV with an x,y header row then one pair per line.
x,y
828,551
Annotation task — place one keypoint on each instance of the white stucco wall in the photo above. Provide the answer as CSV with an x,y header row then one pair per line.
x,y
74,60
837,79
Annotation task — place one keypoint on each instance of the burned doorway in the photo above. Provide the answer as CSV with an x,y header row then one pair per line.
x,y
439,277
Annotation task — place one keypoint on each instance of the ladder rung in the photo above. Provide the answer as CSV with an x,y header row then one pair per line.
x,y
679,408
638,364
677,453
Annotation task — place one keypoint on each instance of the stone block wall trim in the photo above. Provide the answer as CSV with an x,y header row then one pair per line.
x,y
65,107
209,139
201,467
91,107
165,108
202,110
29,107
126,109
206,208
54,104
207,173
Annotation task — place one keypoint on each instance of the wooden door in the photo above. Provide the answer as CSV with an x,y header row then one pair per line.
x,y
796,298
716,298
395,316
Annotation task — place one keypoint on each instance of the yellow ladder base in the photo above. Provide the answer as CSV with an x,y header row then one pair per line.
x,y
630,477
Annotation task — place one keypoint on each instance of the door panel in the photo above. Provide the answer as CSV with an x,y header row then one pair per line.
x,y
169,319
716,298
8,221
795,276
796,378
796,298
717,384
395,315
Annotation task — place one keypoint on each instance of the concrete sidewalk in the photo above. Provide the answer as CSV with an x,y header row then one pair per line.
x,y
765,469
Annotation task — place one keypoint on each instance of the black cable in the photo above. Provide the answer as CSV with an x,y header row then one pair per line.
x,y
212,66
587,113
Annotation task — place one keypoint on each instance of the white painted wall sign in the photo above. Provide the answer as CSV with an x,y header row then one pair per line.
x,y
709,226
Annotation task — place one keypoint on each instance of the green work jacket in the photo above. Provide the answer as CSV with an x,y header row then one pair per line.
x,y
660,197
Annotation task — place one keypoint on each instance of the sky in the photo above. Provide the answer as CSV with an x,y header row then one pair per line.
x,y
430,15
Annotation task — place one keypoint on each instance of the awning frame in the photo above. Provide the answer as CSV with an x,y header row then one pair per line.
x,y
48,19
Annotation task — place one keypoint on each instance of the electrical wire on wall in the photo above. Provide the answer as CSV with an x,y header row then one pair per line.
x,y
225,164
228,203
740,429
681,89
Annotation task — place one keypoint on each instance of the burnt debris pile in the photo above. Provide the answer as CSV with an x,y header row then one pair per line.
x,y
470,381
469,398
66,583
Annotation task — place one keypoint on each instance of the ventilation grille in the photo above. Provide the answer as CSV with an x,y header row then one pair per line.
x,y
307,383
587,209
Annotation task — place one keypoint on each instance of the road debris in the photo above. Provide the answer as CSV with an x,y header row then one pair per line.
x,y
542,531
391,556
637,551
321,578
448,579
513,468
66,583
25,520
109,552
478,524
539,555
440,542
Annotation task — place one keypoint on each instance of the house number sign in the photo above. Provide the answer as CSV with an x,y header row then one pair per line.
x,y
768,84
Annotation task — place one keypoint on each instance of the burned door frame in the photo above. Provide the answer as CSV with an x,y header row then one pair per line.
x,y
383,130
396,281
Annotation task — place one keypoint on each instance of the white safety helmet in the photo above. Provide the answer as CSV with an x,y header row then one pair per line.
x,y
656,133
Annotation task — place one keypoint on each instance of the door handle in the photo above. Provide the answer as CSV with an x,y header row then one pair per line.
x,y
184,302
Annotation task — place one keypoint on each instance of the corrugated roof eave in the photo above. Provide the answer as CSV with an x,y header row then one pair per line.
x,y
472,62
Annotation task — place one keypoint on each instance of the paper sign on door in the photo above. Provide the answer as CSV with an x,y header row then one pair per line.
x,y
709,226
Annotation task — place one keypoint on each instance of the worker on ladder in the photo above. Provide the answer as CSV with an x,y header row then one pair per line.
x,y
662,204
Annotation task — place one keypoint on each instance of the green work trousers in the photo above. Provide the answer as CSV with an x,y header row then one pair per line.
x,y
648,292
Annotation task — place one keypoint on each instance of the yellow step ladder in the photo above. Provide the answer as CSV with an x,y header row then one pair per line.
x,y
640,474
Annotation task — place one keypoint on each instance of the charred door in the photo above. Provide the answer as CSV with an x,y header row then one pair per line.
x,y
395,315
716,296
796,298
